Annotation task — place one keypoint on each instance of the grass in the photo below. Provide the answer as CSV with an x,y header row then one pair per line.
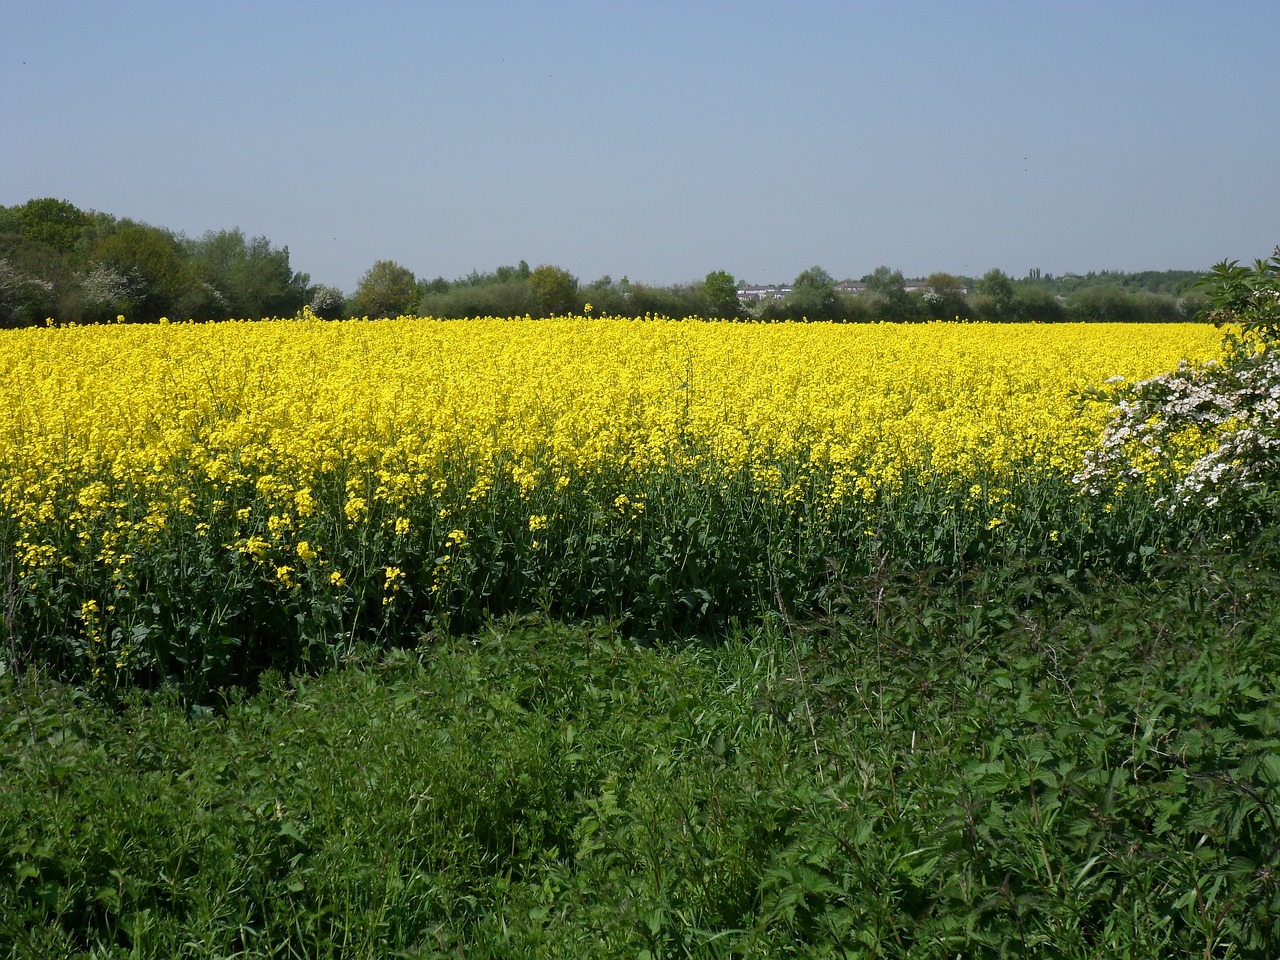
x,y
993,762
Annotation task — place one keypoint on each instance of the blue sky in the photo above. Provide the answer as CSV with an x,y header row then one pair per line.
x,y
660,140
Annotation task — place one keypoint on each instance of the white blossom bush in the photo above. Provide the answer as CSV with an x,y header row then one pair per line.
x,y
1205,437
328,303
105,286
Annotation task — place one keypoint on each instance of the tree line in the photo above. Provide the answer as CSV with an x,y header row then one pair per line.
x,y
885,294
75,266
391,289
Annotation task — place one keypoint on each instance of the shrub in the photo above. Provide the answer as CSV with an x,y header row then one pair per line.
x,y
1210,434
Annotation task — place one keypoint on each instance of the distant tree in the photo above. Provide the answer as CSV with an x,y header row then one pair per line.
x,y
1037,304
555,288
328,303
886,289
503,274
55,222
105,293
996,283
154,264
944,297
815,279
438,285
35,282
993,297
813,296
678,301
251,278
1103,303
386,290
1157,307
515,298
604,296
520,271
25,300
721,291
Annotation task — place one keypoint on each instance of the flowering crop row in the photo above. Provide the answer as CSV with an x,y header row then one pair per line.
x,y
169,489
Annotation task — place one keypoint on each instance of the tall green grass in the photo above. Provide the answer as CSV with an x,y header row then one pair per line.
x,y
983,761
667,556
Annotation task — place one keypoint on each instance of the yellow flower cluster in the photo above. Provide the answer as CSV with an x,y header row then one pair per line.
x,y
252,420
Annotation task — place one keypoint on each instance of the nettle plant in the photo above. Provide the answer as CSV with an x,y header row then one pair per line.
x,y
1208,436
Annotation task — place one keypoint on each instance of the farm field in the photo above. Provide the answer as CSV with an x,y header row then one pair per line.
x,y
594,637
198,502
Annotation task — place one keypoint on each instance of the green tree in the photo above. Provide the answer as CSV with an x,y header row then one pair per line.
x,y
1103,303
993,297
887,292
555,288
251,278
721,291
944,297
1037,304
438,285
35,280
105,293
813,296
386,290
40,245
1247,297
55,222
24,299
815,280
152,262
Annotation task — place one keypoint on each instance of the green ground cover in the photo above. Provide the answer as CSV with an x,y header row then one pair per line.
x,y
995,762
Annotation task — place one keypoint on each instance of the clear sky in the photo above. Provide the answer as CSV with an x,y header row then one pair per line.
x,y
661,140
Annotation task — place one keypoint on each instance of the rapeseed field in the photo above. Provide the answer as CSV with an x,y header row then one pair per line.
x,y
205,501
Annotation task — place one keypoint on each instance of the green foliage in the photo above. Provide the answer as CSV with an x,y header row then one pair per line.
x,y
498,298
987,762
152,261
387,289
1247,298
993,298
1173,283
249,278
674,301
815,280
50,266
1036,304
813,297
1206,440
1104,303
886,292
87,267
555,288
722,295
56,223
32,277
944,298
500,275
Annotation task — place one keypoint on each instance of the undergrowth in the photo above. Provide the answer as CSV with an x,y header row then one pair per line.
x,y
1000,761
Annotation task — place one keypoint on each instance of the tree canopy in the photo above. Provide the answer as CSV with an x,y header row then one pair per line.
x,y
387,289
76,266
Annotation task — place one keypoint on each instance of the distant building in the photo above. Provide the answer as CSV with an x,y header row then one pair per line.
x,y
758,293
761,292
